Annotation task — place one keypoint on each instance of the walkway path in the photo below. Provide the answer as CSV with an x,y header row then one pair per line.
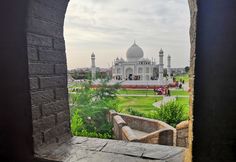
x,y
136,95
186,86
164,101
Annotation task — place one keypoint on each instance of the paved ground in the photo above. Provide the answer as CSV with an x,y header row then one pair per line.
x,y
83,149
164,101
186,86
137,95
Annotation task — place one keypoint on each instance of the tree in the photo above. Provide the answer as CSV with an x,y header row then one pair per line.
x,y
186,69
91,107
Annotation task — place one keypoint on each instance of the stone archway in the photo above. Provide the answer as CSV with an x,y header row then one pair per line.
x,y
33,54
48,71
35,38
129,73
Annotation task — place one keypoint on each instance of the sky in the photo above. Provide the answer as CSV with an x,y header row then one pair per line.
x,y
109,27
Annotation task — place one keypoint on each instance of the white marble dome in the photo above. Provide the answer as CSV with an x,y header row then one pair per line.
x,y
134,53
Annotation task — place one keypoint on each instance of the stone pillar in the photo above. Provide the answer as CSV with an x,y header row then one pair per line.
x,y
161,65
169,69
93,67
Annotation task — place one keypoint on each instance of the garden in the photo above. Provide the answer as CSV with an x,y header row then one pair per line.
x,y
89,106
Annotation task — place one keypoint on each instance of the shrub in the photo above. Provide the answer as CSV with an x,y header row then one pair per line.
x,y
171,113
90,106
135,112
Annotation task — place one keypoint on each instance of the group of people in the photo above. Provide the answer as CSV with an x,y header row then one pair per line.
x,y
163,90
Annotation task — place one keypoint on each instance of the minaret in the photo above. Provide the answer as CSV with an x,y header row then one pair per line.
x,y
169,69
161,65
169,66
93,67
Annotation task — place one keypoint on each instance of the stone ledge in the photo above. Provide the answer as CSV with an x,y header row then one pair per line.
x,y
183,125
93,149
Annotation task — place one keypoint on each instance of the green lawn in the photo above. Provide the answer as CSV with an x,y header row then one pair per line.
x,y
185,102
178,93
134,91
144,104
184,77
150,92
140,103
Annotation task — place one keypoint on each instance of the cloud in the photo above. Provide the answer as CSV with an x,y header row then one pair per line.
x,y
108,27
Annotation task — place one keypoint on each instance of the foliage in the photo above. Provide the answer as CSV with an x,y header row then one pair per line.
x,y
135,112
90,107
186,69
86,74
185,102
171,113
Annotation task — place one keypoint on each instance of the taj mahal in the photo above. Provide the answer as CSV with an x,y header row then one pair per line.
x,y
136,69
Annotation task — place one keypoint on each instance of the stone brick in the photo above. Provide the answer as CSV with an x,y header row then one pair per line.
x,y
34,84
181,133
48,122
40,97
39,26
46,12
63,116
59,44
39,68
61,93
61,5
36,114
47,82
60,69
52,56
64,138
38,140
43,124
181,142
54,107
50,136
39,40
37,126
32,53
63,128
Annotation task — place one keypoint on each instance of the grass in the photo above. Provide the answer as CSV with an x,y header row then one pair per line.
x,y
136,92
144,104
185,102
178,93
138,103
184,77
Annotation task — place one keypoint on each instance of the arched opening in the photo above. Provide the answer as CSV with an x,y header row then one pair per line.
x,y
39,93
92,27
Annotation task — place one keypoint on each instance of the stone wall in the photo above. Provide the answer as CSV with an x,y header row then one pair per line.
x,y
128,128
48,71
182,134
192,32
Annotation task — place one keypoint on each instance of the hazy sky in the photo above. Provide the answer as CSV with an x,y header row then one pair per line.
x,y
109,28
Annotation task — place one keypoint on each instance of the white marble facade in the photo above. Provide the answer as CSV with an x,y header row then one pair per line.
x,y
136,67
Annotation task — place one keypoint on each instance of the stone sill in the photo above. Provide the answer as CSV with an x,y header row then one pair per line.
x,y
85,149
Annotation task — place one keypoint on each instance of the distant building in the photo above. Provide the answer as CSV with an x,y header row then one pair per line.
x,y
136,67
177,71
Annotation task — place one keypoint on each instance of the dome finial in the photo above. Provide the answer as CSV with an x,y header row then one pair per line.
x,y
161,51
